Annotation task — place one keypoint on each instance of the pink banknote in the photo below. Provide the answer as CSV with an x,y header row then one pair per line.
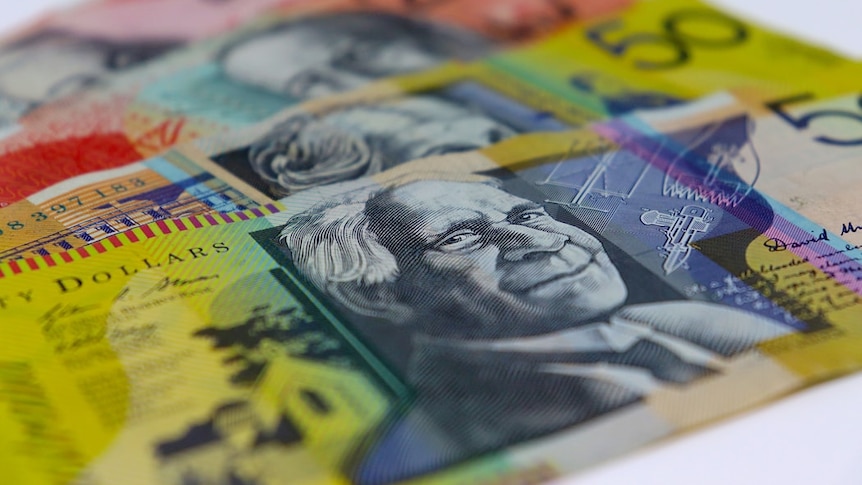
x,y
152,19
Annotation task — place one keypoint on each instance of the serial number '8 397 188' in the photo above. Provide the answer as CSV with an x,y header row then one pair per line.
x,y
72,202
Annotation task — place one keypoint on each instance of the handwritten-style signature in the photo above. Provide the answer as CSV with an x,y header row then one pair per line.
x,y
61,311
168,282
774,244
849,227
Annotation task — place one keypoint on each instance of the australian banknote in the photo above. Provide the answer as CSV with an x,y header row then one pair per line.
x,y
338,138
509,314
799,152
660,53
301,50
84,46
79,46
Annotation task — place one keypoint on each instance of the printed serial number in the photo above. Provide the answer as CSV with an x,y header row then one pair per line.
x,y
71,203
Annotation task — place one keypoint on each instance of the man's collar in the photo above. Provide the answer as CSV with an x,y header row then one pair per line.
x,y
617,336
595,337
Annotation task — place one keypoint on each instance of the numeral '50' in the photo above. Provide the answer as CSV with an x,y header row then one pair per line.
x,y
674,38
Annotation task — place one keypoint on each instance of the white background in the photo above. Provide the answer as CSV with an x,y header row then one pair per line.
x,y
811,437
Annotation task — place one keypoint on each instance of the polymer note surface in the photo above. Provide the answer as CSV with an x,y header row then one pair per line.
x,y
343,339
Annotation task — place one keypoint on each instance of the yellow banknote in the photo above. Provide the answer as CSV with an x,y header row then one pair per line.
x,y
511,314
660,52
